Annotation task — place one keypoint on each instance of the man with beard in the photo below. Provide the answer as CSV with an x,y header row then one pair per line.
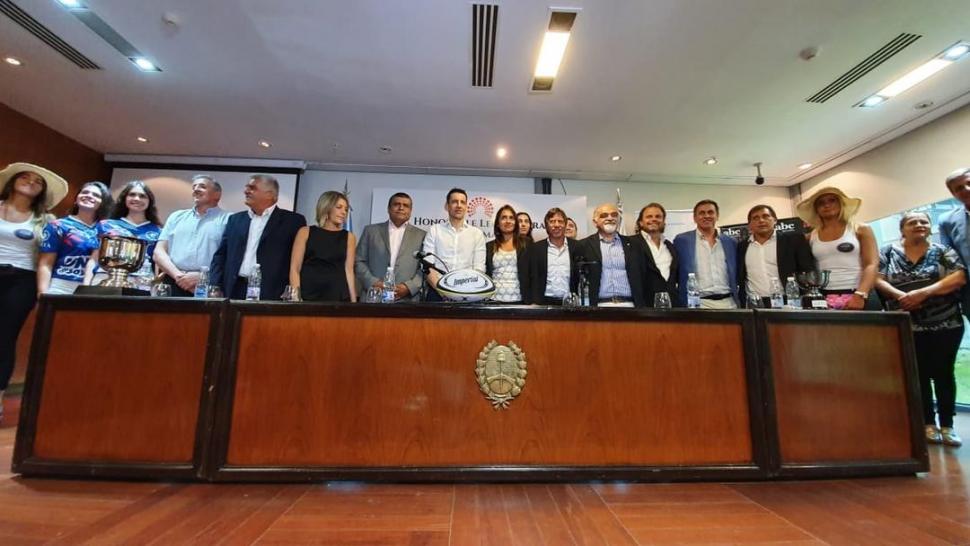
x,y
614,266
659,253
711,257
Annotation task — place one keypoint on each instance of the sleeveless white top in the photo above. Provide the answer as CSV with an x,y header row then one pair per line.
x,y
505,275
18,244
842,257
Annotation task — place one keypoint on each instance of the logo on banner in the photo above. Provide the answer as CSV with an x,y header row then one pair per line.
x,y
480,206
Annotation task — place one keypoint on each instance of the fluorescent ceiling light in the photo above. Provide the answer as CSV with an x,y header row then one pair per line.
x,y
71,4
874,100
144,64
142,139
914,77
957,51
264,144
550,56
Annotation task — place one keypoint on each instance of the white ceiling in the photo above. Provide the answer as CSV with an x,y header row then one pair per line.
x,y
664,83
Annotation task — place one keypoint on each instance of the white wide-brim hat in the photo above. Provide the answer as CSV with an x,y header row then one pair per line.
x,y
57,187
806,209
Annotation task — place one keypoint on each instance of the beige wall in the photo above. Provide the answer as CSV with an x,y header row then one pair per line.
x,y
906,172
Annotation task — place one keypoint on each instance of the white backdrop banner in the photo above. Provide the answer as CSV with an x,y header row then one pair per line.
x,y
429,208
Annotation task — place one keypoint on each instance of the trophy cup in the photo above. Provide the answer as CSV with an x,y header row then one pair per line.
x,y
118,256
813,282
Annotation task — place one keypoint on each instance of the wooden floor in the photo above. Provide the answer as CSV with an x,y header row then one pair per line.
x,y
928,509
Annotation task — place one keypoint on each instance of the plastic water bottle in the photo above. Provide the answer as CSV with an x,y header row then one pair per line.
x,y
255,280
777,296
693,292
792,294
202,289
387,296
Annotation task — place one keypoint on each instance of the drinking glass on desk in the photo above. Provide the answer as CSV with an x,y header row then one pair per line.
x,y
214,292
373,295
570,300
161,290
661,300
291,293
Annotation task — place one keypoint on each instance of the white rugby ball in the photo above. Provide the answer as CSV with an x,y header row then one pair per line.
x,y
466,285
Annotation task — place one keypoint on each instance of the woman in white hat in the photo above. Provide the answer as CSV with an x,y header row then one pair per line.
x,y
845,248
69,241
27,192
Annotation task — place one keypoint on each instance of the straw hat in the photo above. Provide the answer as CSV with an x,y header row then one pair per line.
x,y
56,186
806,209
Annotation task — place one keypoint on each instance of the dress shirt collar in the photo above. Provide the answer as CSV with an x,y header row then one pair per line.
x,y
266,213
773,237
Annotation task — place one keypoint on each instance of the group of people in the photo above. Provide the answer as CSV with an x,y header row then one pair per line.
x,y
325,262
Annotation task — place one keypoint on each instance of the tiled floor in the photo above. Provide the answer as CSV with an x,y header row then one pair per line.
x,y
928,509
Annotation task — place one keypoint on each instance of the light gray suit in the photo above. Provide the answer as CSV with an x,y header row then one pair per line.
x,y
953,233
374,256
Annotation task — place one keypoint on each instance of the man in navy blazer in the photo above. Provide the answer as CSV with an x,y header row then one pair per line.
x,y
711,256
262,235
953,226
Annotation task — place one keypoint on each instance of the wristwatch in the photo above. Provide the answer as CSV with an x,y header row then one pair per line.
x,y
861,294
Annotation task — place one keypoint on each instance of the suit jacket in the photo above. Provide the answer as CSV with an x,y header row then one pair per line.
x,y
539,269
522,267
655,281
272,254
685,243
374,257
953,233
793,254
588,250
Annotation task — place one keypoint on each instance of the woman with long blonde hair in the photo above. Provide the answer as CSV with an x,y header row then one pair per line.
x,y
322,260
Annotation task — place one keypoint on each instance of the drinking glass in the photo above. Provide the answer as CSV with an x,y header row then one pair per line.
x,y
571,300
161,290
287,293
661,300
214,292
373,295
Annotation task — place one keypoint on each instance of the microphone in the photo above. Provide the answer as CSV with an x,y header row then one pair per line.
x,y
423,256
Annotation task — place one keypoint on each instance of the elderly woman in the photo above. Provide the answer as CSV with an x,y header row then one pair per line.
x,y
506,260
134,215
845,248
924,278
69,241
26,194
322,260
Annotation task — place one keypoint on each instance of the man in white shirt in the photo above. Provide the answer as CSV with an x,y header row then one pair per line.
x,y
711,256
191,236
454,244
768,254
661,257
550,267
391,244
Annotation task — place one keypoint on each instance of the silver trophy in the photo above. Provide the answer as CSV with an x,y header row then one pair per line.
x,y
120,256
813,282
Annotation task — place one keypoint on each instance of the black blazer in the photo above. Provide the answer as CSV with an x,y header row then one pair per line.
x,y
654,281
794,254
588,250
272,254
539,268
522,267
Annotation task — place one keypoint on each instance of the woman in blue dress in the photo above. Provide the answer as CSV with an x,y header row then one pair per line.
x,y
67,242
134,215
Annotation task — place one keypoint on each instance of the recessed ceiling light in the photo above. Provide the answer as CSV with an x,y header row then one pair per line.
x,y
141,139
804,166
923,105
710,161
71,4
949,56
13,61
874,100
264,144
144,64
616,157
501,152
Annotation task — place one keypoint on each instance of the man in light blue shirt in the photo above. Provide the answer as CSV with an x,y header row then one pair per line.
x,y
191,236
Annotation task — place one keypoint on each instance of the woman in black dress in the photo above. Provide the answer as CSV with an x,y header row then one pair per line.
x,y
322,261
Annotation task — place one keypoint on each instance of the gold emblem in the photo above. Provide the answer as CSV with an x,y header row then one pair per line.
x,y
501,372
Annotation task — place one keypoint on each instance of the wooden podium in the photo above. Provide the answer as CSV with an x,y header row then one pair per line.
x,y
234,391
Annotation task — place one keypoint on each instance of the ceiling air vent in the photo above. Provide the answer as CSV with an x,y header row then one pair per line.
x,y
484,27
44,34
882,55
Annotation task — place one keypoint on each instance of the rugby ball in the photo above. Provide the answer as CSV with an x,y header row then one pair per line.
x,y
465,285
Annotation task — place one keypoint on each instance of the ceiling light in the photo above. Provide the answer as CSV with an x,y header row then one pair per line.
x,y
710,161
141,139
501,152
71,4
957,51
804,166
144,64
264,144
13,61
949,56
616,157
553,49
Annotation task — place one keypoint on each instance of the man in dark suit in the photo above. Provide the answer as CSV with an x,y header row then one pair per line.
x,y
391,244
659,253
615,269
550,268
711,257
767,254
262,235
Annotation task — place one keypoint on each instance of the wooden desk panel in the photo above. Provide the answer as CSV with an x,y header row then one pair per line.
x,y
840,392
122,386
393,392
